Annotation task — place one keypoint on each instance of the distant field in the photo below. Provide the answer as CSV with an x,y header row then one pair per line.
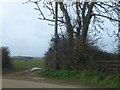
x,y
28,64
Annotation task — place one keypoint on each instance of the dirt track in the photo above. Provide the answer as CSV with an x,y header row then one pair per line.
x,y
18,80
0,81
9,83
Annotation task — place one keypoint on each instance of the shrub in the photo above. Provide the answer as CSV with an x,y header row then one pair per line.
x,y
6,60
76,57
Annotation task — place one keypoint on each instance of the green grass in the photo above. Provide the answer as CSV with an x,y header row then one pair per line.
x,y
20,65
94,78
27,64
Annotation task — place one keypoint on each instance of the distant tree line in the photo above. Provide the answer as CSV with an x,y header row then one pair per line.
x,y
21,57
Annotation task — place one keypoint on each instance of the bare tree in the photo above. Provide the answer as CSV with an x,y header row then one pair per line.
x,y
79,18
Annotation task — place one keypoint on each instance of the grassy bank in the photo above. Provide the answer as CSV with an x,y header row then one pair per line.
x,y
96,78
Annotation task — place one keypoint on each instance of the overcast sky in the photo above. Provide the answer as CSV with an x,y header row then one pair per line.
x,y
24,33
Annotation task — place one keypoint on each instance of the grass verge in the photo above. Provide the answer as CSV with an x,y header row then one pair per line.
x,y
95,78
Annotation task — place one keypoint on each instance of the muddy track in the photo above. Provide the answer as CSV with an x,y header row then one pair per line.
x,y
28,80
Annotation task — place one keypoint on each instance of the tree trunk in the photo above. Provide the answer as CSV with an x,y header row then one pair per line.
x,y
68,24
86,21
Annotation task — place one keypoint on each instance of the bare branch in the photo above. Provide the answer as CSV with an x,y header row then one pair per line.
x,y
39,9
106,17
67,18
50,9
51,20
26,2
